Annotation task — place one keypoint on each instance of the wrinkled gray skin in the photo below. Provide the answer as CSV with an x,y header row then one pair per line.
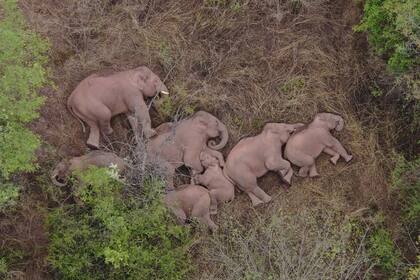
x,y
189,201
220,188
65,168
254,156
181,143
306,145
97,99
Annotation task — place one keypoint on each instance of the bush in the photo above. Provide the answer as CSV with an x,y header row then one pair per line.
x,y
406,181
23,55
113,235
392,27
384,252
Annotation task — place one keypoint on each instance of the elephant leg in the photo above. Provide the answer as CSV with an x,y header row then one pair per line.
x,y
133,123
303,171
312,171
255,200
209,222
179,214
214,199
261,194
305,162
334,154
336,146
94,135
201,210
192,160
105,126
281,166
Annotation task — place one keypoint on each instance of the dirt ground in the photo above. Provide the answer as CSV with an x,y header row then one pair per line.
x,y
248,63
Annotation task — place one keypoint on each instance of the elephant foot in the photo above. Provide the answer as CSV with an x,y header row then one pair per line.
x,y
149,133
334,159
348,158
92,146
107,131
303,172
313,174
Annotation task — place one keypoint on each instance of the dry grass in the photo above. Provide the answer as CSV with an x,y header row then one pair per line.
x,y
248,62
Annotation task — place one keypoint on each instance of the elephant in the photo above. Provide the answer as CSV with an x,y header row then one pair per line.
x,y
181,143
94,158
306,145
221,189
98,98
254,156
189,201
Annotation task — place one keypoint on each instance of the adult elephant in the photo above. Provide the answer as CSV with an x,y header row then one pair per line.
x,y
254,156
306,145
98,98
181,143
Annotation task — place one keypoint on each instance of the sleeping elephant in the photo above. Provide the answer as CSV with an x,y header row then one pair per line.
x,y
220,187
95,158
306,145
254,156
181,143
190,201
98,98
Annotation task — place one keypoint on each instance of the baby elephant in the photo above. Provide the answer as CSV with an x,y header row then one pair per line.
x,y
95,158
221,189
98,98
189,201
306,145
254,156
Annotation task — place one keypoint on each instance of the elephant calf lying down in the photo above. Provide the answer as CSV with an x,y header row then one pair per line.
x,y
190,201
220,187
95,158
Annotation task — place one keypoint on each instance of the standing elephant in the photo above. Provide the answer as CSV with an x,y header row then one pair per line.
x,y
254,156
98,98
95,158
189,201
306,145
181,143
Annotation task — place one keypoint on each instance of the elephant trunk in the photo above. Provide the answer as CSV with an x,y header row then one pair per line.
x,y
56,181
224,136
340,123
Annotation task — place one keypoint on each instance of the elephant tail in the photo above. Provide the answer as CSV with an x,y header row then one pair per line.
x,y
70,108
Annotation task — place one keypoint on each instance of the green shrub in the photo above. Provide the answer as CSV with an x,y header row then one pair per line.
x,y
406,181
23,55
8,195
384,252
393,31
114,235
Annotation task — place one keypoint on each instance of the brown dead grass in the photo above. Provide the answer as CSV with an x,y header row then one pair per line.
x,y
248,64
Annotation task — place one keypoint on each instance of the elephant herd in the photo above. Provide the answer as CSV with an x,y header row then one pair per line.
x,y
191,142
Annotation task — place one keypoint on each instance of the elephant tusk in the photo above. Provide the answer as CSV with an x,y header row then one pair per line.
x,y
164,92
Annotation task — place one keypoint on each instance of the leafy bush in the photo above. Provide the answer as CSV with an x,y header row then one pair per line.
x,y
113,235
23,55
406,181
393,28
8,195
384,252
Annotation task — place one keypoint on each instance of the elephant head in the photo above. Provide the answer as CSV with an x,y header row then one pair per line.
x,y
281,130
330,121
60,173
213,127
149,83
